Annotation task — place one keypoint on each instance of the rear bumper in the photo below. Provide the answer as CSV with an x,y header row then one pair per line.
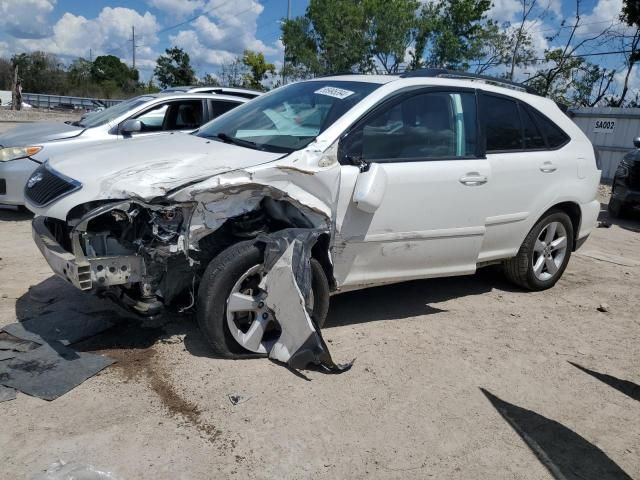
x,y
85,273
15,174
589,219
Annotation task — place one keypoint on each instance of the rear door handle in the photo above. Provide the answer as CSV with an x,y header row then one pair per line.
x,y
548,167
473,179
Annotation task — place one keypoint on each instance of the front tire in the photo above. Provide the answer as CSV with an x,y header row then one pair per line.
x,y
231,311
544,254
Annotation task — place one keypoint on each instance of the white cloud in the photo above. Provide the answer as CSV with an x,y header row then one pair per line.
x,y
177,8
108,33
605,13
4,50
511,10
224,33
26,18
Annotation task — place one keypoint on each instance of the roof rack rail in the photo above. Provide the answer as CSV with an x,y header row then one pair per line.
x,y
445,73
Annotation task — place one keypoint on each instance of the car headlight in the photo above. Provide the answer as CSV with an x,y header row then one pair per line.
x,y
14,153
622,170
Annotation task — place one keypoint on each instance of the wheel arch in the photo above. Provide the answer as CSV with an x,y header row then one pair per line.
x,y
265,219
572,209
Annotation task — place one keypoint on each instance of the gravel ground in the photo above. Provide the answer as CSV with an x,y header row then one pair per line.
x,y
10,118
411,407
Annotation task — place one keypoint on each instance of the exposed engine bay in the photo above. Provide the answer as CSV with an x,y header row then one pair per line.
x,y
140,254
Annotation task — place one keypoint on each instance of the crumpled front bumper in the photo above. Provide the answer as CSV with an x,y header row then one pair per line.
x,y
85,273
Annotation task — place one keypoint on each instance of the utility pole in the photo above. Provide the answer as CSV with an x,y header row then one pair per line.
x,y
133,45
284,60
91,54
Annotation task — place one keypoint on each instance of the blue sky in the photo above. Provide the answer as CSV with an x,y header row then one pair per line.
x,y
224,28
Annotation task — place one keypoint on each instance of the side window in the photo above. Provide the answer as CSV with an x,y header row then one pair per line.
x,y
185,115
421,127
153,119
502,124
220,107
554,134
533,138
177,115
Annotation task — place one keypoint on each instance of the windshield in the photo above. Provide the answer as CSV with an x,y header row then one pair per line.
x,y
289,118
113,112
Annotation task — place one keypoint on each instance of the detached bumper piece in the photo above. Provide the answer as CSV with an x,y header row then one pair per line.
x,y
288,285
85,273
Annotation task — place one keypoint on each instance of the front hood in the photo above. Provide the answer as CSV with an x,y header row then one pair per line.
x,y
38,133
148,168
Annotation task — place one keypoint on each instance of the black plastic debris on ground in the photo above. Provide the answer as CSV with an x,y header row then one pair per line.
x,y
11,343
66,327
35,358
51,370
7,354
7,393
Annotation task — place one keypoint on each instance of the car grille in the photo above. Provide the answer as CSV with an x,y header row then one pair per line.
x,y
45,186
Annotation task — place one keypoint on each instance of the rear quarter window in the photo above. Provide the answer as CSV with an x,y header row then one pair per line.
x,y
556,137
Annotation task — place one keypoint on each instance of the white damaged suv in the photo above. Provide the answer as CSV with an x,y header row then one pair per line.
x,y
428,174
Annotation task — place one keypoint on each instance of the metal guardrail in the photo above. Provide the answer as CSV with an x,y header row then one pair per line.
x,y
40,100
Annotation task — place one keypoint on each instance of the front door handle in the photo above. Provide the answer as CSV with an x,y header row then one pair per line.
x,y
548,167
473,179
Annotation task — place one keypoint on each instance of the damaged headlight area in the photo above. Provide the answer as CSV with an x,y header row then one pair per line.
x,y
126,250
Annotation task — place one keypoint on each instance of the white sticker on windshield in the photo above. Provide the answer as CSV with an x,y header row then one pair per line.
x,y
334,92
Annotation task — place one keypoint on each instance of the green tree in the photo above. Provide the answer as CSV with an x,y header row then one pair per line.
x,y
40,72
232,73
208,81
6,74
109,70
392,28
498,49
257,69
563,65
629,42
457,32
332,37
174,68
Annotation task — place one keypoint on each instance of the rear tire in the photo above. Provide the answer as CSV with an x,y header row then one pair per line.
x,y
221,277
540,262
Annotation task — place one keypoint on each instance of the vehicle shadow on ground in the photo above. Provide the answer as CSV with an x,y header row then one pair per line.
x,y
393,302
9,213
410,299
631,221
564,453
626,387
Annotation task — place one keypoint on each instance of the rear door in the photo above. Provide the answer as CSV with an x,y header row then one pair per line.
x,y
527,169
431,219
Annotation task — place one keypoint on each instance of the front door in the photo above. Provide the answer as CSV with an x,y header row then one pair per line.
x,y
430,221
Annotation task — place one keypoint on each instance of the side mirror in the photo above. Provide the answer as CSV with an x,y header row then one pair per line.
x,y
370,187
131,126
636,142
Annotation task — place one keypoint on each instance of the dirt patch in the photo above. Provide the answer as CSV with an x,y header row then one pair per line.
x,y
132,346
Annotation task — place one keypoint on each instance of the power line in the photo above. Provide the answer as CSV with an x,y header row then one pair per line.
x,y
192,19
595,54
